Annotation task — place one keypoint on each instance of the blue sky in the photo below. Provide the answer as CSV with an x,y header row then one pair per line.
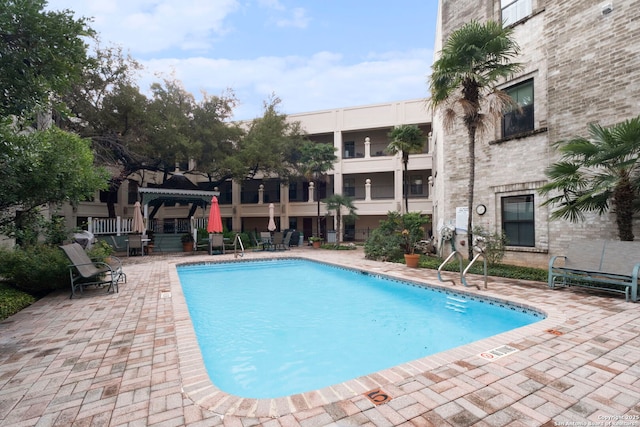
x,y
314,54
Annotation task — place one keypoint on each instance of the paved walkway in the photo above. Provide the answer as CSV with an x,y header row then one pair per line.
x,y
130,359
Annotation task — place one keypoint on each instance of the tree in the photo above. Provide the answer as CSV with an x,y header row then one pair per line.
x,y
336,203
44,167
474,59
315,160
597,172
272,144
41,55
405,139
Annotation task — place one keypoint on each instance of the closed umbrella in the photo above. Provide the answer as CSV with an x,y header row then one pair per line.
x,y
272,222
215,219
137,226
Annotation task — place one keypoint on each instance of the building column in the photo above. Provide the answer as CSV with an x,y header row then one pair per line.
x,y
236,216
284,204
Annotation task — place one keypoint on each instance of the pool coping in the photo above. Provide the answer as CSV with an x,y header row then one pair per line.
x,y
198,387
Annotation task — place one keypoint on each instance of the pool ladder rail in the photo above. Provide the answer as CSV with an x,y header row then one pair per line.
x,y
237,243
463,273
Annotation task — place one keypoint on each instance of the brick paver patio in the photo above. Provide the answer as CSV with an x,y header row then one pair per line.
x,y
131,359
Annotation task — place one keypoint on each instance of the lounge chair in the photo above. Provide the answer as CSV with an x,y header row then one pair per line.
x,y
85,272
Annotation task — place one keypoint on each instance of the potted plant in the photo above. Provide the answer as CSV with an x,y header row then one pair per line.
x,y
150,244
410,226
315,241
187,242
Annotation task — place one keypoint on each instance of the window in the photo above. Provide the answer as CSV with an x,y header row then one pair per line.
x,y
415,184
516,121
349,149
349,188
517,220
515,10
132,195
293,191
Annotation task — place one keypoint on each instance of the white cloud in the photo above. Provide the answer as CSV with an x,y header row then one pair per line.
x,y
145,26
298,19
304,84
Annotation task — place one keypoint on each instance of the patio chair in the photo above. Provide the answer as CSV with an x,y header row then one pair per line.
x,y
278,241
258,244
266,240
117,247
85,272
203,243
216,241
135,244
287,240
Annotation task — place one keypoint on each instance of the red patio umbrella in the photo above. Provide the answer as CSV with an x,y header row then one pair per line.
x,y
215,220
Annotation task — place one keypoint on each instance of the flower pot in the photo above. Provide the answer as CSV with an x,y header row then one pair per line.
x,y
187,246
412,260
316,244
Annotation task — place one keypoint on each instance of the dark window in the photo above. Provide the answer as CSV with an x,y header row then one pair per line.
x,y
416,185
349,188
515,10
349,149
132,196
109,196
519,120
518,221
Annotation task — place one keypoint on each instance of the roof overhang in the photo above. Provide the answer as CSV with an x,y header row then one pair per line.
x,y
192,196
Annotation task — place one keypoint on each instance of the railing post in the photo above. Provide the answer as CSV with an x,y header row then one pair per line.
x,y
367,190
90,224
118,226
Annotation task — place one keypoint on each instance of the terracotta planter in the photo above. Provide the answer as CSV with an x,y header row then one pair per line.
x,y
187,246
316,244
412,260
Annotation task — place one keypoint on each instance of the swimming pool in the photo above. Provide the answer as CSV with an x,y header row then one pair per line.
x,y
279,327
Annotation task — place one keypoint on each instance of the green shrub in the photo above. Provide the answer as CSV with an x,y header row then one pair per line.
x,y
36,270
494,244
12,301
497,270
383,245
100,251
395,236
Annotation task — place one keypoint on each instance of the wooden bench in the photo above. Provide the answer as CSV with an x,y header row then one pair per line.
x,y
607,265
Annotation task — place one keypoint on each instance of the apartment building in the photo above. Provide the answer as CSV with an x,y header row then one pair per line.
x,y
363,171
581,65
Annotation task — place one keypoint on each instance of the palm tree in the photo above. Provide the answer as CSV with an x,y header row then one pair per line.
x,y
314,161
336,203
597,171
405,139
474,59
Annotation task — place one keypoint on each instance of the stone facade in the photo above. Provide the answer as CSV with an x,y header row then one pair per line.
x,y
585,68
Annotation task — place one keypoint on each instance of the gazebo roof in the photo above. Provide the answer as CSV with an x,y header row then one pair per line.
x,y
176,195
178,188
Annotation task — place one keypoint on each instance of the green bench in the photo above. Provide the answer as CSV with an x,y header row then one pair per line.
x,y
606,265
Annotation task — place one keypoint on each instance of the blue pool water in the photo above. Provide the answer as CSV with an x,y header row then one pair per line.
x,y
274,328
